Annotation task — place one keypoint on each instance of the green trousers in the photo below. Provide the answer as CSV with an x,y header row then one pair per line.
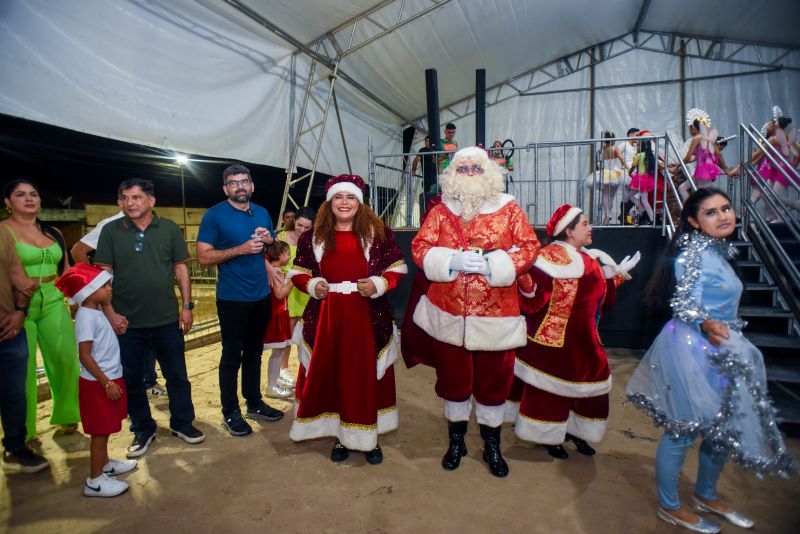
x,y
50,326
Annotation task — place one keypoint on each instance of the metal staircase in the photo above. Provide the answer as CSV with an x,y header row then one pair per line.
x,y
770,269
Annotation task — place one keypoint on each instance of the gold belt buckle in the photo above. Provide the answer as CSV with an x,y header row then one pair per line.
x,y
479,250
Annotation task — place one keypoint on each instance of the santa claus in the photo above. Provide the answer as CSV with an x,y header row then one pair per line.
x,y
472,247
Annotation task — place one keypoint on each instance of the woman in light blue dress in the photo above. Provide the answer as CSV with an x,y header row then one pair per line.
x,y
701,376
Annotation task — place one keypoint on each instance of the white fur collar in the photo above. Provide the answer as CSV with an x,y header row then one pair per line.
x,y
573,269
489,207
319,248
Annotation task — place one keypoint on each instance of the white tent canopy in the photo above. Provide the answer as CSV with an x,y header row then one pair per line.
x,y
201,76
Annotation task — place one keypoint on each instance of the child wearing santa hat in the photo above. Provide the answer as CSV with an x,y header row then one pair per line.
x,y
101,390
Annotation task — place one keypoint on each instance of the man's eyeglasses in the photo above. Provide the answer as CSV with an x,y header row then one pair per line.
x,y
139,246
237,183
464,169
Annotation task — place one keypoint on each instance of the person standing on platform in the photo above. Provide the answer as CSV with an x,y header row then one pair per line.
x,y
347,342
472,247
232,236
146,254
562,377
428,161
448,144
15,294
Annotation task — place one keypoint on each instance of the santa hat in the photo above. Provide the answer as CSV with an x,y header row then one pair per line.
x,y
81,281
644,133
347,183
561,219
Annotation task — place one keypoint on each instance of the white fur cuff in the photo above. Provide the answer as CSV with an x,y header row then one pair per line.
x,y
436,264
503,273
380,286
311,286
490,415
457,411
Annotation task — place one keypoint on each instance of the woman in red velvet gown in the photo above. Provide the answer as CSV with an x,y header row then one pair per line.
x,y
346,339
562,377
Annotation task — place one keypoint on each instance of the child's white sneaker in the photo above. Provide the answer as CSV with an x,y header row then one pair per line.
x,y
104,486
118,467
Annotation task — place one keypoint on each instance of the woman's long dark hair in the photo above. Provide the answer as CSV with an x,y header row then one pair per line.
x,y
46,228
662,283
649,157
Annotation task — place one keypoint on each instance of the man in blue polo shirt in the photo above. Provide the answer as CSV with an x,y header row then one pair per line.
x,y
232,235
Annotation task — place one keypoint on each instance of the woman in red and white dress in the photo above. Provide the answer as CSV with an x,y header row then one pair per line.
x,y
562,378
347,342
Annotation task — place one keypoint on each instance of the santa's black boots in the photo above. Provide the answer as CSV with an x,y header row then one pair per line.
x,y
491,451
457,448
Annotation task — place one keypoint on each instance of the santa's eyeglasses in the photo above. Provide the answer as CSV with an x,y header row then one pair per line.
x,y
464,169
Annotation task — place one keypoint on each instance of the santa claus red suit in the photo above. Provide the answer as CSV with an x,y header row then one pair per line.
x,y
562,374
347,342
472,247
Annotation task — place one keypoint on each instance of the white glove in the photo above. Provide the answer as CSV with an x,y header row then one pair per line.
x,y
629,262
468,261
483,269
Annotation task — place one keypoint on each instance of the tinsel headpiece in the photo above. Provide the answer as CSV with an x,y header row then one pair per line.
x,y
697,114
777,113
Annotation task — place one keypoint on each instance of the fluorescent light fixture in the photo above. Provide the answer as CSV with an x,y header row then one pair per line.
x,y
182,159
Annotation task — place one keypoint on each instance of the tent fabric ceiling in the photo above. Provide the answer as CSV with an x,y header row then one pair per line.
x,y
199,76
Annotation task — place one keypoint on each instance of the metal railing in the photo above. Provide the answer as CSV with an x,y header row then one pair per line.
x,y
753,220
545,175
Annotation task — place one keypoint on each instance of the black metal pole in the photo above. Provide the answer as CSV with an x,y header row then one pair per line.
x,y
432,94
480,107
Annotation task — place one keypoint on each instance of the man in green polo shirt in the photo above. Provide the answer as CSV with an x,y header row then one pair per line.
x,y
146,254
448,143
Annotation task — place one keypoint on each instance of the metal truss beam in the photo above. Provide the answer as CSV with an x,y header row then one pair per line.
x,y
374,23
313,53
640,19
675,44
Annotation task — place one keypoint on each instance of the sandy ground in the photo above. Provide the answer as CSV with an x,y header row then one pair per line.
x,y
267,482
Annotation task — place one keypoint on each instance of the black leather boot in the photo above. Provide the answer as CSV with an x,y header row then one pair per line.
x,y
583,447
557,451
375,456
491,451
457,448
339,452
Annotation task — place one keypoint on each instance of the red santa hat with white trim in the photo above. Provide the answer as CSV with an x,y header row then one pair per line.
x,y
561,218
347,183
81,280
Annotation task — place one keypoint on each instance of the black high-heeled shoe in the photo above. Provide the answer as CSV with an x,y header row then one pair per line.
x,y
557,451
583,447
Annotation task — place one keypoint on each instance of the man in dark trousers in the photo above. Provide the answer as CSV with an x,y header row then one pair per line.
x,y
232,236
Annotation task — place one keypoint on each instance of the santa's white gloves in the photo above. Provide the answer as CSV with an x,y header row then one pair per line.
x,y
469,261
623,268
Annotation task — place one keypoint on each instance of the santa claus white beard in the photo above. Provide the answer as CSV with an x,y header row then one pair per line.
x,y
472,192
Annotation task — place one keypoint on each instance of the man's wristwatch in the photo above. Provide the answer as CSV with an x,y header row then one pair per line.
x,y
23,310
188,306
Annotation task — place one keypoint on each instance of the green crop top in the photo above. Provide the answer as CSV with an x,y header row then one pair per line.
x,y
38,262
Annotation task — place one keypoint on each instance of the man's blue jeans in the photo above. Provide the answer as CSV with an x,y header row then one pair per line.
x,y
13,371
167,341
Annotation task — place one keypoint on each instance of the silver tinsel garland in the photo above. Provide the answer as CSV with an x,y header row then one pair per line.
x,y
720,432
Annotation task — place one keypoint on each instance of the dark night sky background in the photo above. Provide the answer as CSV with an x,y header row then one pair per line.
x,y
66,163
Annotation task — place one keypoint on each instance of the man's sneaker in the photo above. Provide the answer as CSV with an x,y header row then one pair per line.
x,y
140,444
286,380
104,486
264,412
277,392
157,390
24,461
119,467
189,434
235,424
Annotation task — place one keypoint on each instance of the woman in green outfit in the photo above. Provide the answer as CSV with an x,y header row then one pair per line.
x,y
48,322
297,300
